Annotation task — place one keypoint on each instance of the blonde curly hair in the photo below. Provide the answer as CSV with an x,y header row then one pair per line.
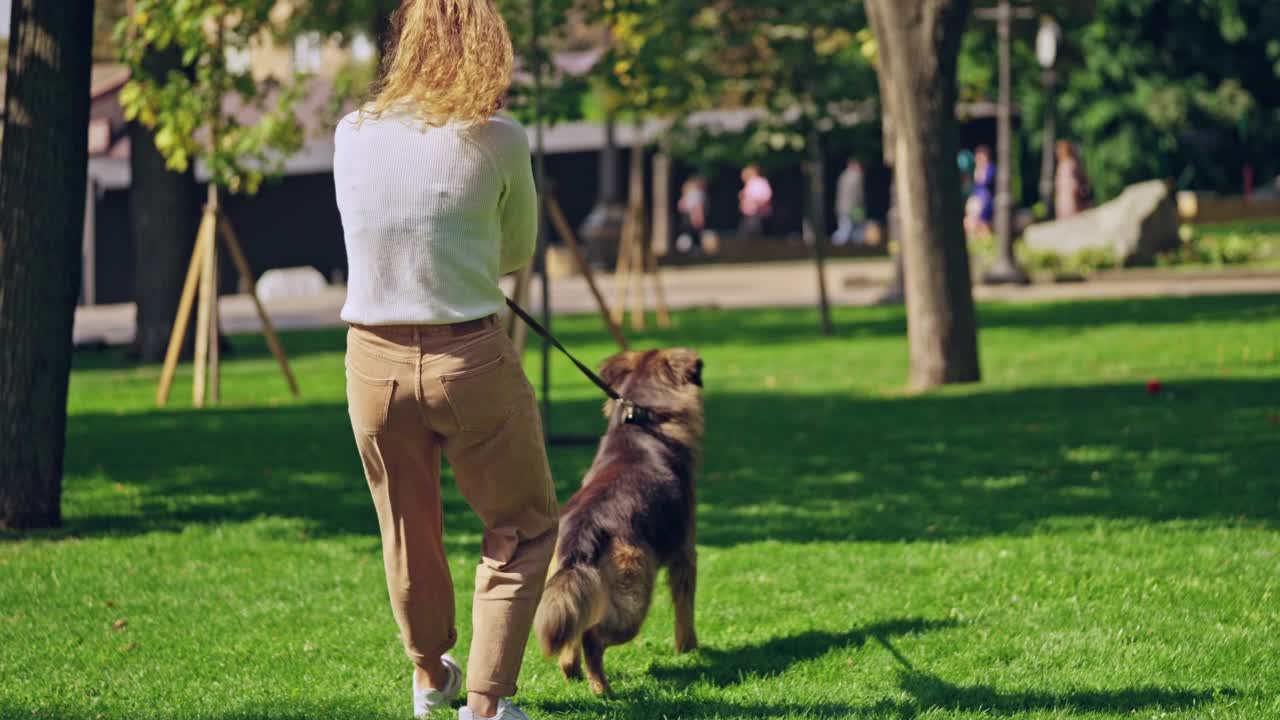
x,y
446,61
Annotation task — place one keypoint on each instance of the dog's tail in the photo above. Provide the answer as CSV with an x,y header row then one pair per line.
x,y
572,602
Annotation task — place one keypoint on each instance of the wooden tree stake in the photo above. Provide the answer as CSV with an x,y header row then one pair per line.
x,y
636,218
183,318
202,280
208,297
636,256
659,294
516,330
268,330
566,233
621,275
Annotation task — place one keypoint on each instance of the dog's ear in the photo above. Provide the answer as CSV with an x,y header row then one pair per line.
x,y
614,370
686,365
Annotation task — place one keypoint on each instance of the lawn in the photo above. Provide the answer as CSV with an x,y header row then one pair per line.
x,y
1053,543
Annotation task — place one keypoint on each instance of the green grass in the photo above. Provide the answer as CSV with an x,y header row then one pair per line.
x,y
1052,543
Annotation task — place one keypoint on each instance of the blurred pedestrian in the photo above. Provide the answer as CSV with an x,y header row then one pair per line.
x,y
755,201
980,208
851,207
1071,192
693,215
964,161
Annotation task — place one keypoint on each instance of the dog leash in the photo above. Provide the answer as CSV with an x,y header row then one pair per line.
x,y
632,414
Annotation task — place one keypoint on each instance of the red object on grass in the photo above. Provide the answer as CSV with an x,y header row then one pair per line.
x,y
1154,387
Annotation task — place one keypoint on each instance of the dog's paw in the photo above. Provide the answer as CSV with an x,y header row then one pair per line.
x,y
600,686
571,671
686,644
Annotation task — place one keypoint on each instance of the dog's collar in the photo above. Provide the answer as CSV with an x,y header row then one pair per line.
x,y
627,412
633,414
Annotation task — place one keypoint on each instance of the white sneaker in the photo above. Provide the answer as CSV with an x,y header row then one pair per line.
x,y
427,699
506,711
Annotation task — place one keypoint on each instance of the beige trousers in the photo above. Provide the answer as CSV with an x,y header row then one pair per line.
x,y
415,392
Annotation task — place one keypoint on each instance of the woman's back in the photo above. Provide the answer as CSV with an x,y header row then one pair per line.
x,y
431,217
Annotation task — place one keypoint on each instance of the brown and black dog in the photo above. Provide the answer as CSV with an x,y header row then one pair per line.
x,y
633,515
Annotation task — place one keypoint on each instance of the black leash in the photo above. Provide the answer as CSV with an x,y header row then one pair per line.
x,y
632,414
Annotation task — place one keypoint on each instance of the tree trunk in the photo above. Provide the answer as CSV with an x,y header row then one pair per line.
x,y
918,43
896,292
165,215
601,231
816,170
43,160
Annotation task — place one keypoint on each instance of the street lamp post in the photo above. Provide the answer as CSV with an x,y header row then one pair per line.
x,y
1006,270
1047,53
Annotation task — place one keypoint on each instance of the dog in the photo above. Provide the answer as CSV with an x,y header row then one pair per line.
x,y
633,515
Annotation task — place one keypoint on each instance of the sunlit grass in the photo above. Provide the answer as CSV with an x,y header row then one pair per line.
x,y
1055,542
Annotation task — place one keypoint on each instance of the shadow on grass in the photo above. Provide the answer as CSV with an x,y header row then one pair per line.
x,y
707,327
928,691
777,467
724,668
295,709
297,343
827,468
644,706
160,471
732,666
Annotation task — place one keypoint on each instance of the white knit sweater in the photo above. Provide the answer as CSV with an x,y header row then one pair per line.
x,y
431,217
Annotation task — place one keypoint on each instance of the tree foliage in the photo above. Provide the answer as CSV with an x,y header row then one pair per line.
x,y
802,62
192,112
1180,89
344,17
661,57
1195,81
562,94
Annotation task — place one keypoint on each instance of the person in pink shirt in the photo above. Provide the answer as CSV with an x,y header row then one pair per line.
x,y
755,200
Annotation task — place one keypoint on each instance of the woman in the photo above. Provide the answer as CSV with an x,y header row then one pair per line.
x,y
693,214
755,201
437,201
980,208
1071,193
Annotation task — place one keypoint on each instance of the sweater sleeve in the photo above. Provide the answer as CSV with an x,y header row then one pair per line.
x,y
519,206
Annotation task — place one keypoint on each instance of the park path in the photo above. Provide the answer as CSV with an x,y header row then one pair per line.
x,y
790,284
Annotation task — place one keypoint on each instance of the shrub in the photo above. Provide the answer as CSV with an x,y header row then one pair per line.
x,y
1221,246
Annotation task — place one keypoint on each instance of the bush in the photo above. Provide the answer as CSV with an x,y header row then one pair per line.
x,y
1227,245
983,252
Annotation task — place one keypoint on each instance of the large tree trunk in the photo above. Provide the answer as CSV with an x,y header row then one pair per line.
x,y
166,211
43,159
918,42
